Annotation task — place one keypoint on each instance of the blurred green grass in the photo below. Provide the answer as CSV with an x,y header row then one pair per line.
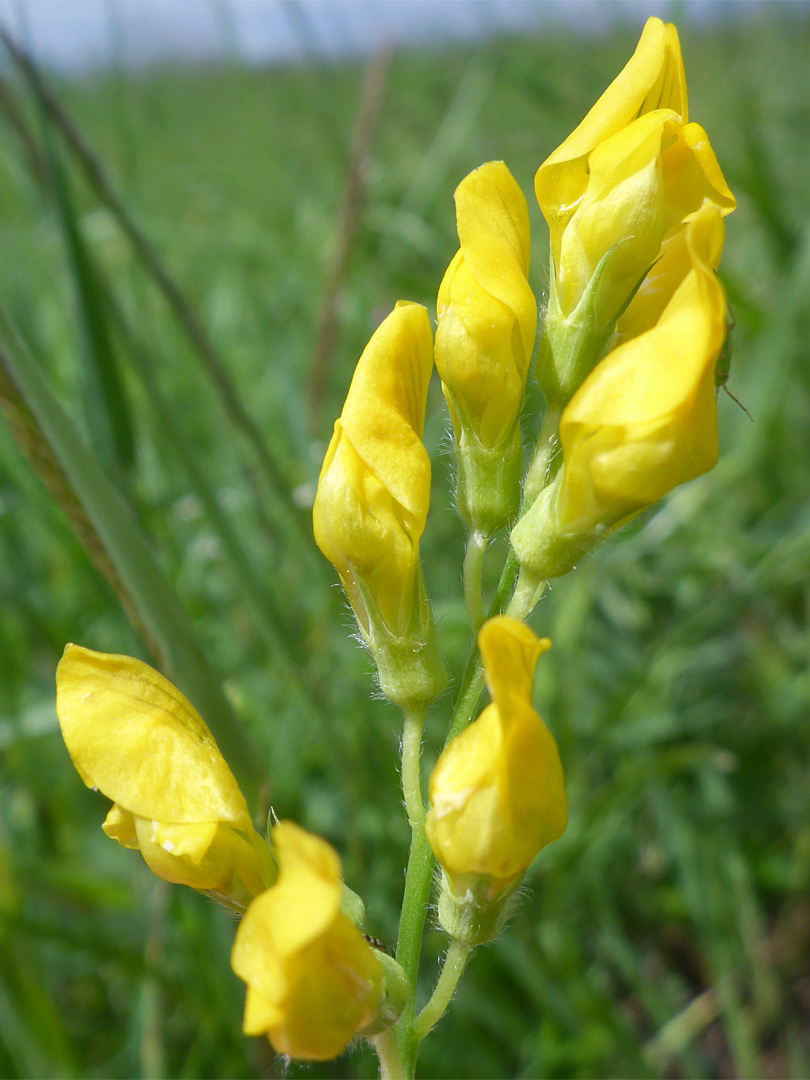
x,y
668,932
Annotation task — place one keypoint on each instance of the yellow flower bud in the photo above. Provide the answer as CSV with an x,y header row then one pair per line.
x,y
136,738
487,321
497,793
374,487
372,502
618,189
312,981
645,419
653,79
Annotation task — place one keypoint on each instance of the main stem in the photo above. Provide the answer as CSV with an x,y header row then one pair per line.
x,y
472,681
417,886
386,1048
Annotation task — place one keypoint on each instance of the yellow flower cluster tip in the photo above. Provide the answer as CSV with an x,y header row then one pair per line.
x,y
312,981
625,181
497,793
136,738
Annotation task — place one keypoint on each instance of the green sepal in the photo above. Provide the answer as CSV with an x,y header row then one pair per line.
x,y
395,993
469,913
572,345
410,668
488,481
543,550
352,906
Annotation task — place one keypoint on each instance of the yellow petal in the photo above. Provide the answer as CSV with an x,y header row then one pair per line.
x,y
366,534
645,419
260,1014
212,857
509,652
652,79
136,738
333,987
497,796
120,825
493,228
384,412
288,917
669,270
622,208
691,175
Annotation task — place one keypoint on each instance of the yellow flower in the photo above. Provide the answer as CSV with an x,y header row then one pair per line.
x,y
653,79
617,189
372,502
645,419
136,738
487,320
312,981
497,793
374,487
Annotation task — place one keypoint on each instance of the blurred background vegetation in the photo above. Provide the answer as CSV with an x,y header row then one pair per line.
x,y
668,932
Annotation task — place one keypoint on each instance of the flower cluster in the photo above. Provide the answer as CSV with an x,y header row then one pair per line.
x,y
636,319
313,981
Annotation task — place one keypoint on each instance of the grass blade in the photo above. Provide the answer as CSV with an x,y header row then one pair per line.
x,y
182,309
107,410
150,594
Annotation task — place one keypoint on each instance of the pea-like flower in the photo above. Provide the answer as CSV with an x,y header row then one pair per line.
x,y
136,738
645,420
621,185
372,503
487,321
497,793
312,981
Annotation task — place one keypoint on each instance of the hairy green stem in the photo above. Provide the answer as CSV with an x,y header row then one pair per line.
x,y
386,1047
452,970
417,885
477,543
528,591
411,777
543,465
409,944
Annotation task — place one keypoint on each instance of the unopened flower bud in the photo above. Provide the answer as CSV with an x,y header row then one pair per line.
x,y
372,502
484,341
